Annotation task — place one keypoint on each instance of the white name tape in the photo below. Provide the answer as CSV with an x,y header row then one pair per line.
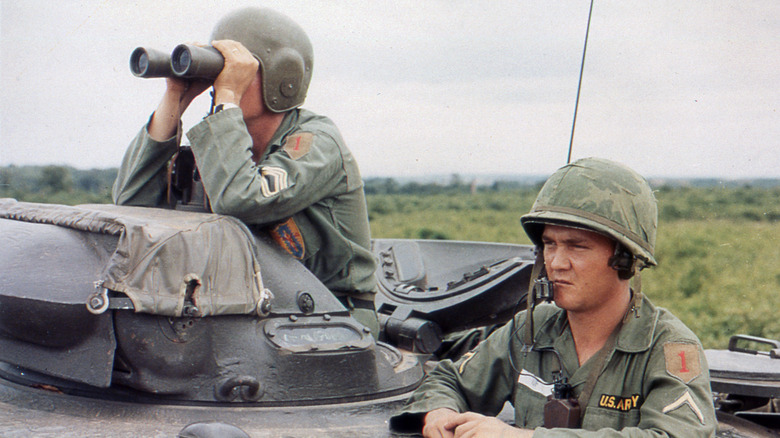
x,y
534,383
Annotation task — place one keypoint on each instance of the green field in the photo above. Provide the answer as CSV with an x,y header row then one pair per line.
x,y
718,245
718,249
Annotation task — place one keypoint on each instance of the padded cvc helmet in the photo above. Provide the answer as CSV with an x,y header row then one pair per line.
x,y
602,196
282,48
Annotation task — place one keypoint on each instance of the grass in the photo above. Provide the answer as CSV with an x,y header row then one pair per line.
x,y
719,272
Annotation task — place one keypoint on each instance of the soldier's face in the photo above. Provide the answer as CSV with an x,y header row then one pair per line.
x,y
577,263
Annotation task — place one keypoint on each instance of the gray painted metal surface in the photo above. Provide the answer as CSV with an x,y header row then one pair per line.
x,y
65,372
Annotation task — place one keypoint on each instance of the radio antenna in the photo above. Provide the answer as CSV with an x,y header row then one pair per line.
x,y
579,85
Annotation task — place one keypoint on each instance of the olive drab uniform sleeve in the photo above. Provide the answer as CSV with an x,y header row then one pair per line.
x,y
655,381
142,176
275,188
306,192
480,381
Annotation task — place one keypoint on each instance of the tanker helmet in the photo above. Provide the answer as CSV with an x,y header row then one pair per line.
x,y
282,48
602,196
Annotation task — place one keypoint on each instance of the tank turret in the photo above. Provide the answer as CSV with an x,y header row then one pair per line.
x,y
181,306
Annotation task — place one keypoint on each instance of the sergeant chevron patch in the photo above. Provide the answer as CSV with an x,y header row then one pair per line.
x,y
273,181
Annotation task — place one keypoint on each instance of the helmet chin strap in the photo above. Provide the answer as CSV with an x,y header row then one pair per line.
x,y
622,261
534,284
636,283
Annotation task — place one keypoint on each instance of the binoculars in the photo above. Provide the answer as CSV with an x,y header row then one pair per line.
x,y
186,61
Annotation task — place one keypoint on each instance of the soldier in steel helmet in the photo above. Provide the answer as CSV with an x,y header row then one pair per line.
x,y
279,168
602,360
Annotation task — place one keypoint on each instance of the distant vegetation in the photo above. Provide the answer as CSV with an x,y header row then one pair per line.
x,y
718,244
56,184
718,247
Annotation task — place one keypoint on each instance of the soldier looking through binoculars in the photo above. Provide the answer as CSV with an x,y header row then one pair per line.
x,y
282,170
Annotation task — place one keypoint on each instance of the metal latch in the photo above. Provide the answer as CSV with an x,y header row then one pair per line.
x,y
99,301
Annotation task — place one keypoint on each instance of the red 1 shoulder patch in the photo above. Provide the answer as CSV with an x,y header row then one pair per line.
x,y
298,145
682,361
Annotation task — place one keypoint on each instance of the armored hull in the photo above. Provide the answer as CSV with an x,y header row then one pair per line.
x,y
249,343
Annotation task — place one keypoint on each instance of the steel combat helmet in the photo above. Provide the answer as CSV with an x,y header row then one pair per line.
x,y
602,196
282,48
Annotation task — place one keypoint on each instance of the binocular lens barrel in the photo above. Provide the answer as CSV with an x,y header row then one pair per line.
x,y
181,59
141,63
189,61
186,61
150,63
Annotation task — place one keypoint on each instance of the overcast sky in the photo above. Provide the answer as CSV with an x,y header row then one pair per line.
x,y
671,88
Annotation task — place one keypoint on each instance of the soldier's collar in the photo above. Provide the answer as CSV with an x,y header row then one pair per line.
x,y
285,128
638,331
550,326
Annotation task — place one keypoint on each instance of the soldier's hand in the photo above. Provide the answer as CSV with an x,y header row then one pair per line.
x,y
238,73
434,421
179,93
186,90
473,425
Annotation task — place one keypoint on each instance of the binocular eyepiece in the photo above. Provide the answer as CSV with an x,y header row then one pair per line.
x,y
186,61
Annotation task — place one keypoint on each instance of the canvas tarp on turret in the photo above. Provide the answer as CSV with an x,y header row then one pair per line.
x,y
161,253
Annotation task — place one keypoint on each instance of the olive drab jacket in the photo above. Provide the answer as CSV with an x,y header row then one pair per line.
x,y
655,380
306,191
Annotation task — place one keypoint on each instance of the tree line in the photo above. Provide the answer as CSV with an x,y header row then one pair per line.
x,y
56,184
681,199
